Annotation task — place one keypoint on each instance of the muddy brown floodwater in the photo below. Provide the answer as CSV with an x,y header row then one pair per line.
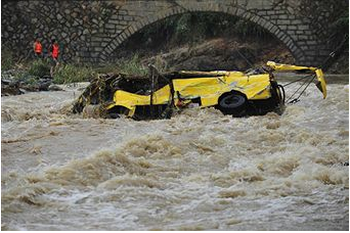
x,y
199,170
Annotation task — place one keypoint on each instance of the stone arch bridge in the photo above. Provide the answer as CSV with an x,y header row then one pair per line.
x,y
89,31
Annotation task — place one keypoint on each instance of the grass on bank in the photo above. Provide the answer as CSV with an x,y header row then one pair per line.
x,y
7,59
129,66
68,73
32,71
65,73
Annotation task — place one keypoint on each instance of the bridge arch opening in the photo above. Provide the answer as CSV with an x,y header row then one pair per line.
x,y
204,41
276,34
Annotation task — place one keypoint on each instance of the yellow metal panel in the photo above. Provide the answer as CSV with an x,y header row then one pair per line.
x,y
212,73
286,67
257,87
130,100
209,89
319,74
320,78
162,96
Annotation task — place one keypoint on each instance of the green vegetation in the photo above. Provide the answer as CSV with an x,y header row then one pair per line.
x,y
130,66
7,59
342,22
70,73
39,68
341,25
196,27
31,71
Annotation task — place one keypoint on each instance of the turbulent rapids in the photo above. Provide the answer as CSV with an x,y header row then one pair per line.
x,y
199,170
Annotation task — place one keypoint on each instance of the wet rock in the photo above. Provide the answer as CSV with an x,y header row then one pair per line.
x,y
28,83
92,111
9,87
55,88
44,83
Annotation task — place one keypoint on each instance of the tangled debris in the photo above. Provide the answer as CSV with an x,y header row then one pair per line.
x,y
13,86
99,93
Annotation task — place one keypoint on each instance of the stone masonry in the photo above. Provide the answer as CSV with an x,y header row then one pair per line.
x,y
89,31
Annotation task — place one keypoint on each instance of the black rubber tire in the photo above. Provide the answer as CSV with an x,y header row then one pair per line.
x,y
113,115
233,103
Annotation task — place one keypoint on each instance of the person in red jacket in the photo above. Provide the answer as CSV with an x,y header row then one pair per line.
x,y
54,52
38,48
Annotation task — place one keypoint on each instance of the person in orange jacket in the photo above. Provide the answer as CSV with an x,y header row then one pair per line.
x,y
38,48
54,52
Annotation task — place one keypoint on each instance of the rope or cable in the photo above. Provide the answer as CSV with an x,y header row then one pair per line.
x,y
306,87
298,98
307,76
297,91
246,59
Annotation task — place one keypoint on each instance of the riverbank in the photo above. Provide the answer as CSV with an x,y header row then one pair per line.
x,y
221,53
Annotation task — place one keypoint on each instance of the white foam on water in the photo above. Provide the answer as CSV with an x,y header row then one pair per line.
x,y
200,170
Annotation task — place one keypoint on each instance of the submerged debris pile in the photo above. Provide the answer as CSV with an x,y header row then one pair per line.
x,y
99,93
10,85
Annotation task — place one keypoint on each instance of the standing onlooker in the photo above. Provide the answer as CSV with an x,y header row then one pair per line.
x,y
54,51
38,48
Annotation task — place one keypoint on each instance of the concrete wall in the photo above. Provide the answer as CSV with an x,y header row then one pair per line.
x,y
89,31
